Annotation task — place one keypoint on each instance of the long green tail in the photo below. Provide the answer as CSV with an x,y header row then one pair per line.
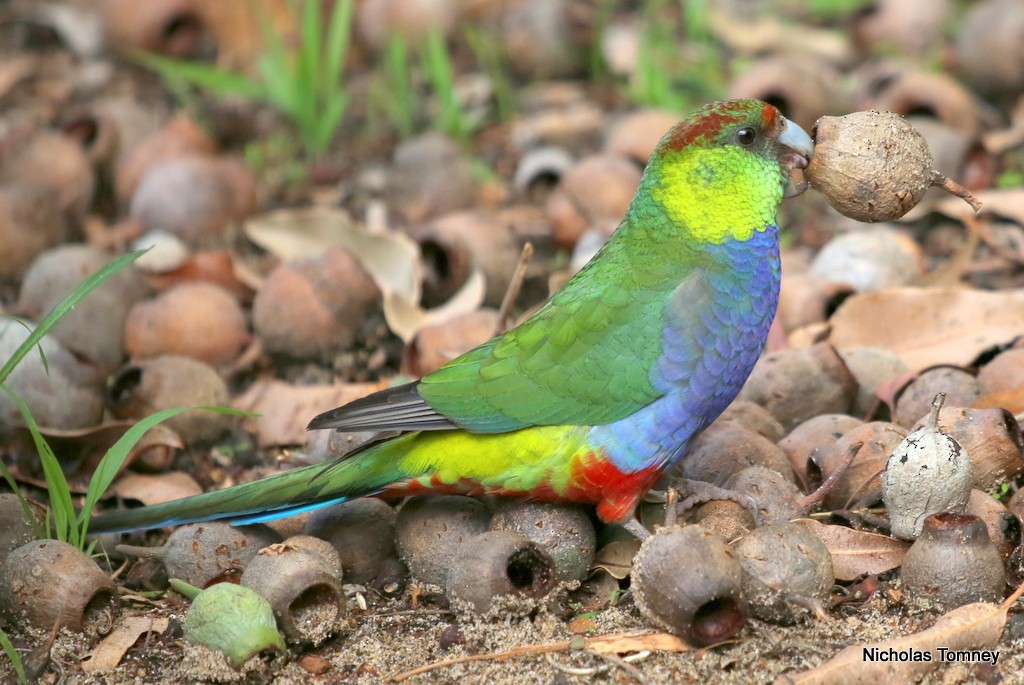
x,y
270,498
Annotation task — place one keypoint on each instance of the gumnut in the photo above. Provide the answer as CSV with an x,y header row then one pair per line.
x,y
436,344
56,161
202,554
728,447
874,166
810,435
861,480
362,531
496,564
195,197
953,562
61,392
230,619
168,381
913,401
755,417
198,320
93,328
993,439
594,193
795,384
787,571
178,137
313,309
53,584
301,578
430,530
30,222
688,581
564,531
927,473
430,177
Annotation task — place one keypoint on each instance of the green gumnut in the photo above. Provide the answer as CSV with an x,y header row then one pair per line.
x,y
233,620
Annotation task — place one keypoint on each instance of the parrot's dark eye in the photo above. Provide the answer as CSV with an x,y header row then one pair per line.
x,y
746,136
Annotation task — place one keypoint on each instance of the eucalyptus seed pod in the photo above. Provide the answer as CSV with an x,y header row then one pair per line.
x,y
232,620
1003,527
993,439
927,473
728,447
688,581
797,383
19,527
786,570
862,478
953,562
54,585
499,563
810,434
205,553
430,529
564,531
301,578
755,417
913,400
361,530
777,498
874,166
725,517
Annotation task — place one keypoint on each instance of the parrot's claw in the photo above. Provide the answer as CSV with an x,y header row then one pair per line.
x,y
637,529
700,492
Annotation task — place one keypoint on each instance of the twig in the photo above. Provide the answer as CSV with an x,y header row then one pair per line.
x,y
951,186
980,228
814,499
514,286
652,639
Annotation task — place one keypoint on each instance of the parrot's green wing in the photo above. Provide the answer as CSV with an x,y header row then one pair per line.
x,y
584,359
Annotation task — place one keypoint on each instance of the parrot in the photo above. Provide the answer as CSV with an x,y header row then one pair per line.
x,y
604,388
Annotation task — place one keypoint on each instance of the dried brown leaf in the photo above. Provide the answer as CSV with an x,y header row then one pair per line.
x,y
391,258
617,558
1010,400
156,488
1008,203
285,409
113,647
856,552
925,327
80,451
636,641
973,626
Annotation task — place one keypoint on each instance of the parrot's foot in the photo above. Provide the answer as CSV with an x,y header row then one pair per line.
x,y
637,529
699,492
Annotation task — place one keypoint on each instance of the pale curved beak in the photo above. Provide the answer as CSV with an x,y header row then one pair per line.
x,y
797,148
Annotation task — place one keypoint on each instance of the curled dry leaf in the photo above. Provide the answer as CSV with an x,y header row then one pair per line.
x,y
972,626
617,558
113,647
925,327
284,409
81,449
391,259
156,488
856,552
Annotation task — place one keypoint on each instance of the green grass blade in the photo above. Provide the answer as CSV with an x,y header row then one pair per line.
x,y
64,306
338,33
205,76
15,657
111,463
56,484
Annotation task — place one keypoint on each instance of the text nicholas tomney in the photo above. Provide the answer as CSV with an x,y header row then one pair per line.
x,y
970,656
